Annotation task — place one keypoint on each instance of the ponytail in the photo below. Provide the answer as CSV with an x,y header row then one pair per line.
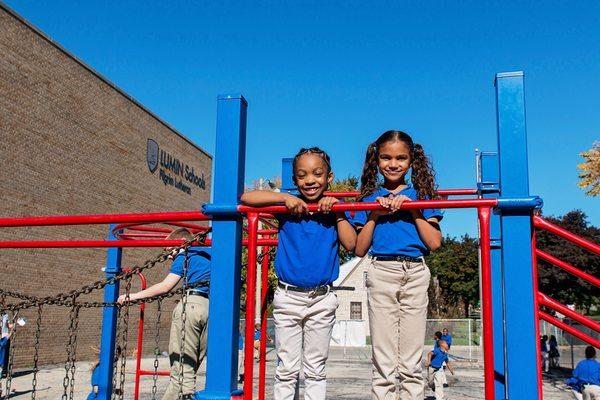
x,y
368,179
422,175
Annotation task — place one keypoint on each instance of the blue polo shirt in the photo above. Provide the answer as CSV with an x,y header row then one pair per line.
x,y
448,339
198,266
396,234
4,342
307,253
588,371
439,357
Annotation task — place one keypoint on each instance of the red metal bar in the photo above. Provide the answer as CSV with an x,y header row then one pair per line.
x,y
263,323
417,204
548,301
486,302
104,219
541,223
140,341
47,244
567,328
250,304
538,346
567,267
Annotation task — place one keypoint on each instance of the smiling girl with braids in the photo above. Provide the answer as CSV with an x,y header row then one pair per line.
x,y
397,277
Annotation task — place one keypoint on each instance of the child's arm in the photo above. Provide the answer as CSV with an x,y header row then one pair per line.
x,y
428,359
262,198
365,234
449,367
346,232
160,288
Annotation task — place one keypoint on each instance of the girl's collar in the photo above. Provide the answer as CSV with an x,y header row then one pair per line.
x,y
383,190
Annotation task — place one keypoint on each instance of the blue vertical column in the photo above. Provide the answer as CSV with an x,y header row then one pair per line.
x,y
109,323
287,173
224,310
515,225
488,185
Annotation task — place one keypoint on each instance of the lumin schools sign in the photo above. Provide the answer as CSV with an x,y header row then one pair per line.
x,y
172,171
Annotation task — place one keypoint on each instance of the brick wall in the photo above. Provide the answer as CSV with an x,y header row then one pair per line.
x,y
72,143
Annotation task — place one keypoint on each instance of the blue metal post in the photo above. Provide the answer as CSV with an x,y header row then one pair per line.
x,y
109,323
515,224
287,172
224,311
488,184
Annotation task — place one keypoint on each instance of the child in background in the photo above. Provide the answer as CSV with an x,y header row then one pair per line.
x,y
397,277
553,354
436,359
306,264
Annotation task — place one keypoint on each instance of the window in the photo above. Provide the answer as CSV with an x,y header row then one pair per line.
x,y
355,310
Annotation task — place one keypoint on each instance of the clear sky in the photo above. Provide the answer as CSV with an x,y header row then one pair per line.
x,y
338,73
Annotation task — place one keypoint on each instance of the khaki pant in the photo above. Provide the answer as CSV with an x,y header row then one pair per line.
x,y
591,392
439,378
194,348
397,294
303,325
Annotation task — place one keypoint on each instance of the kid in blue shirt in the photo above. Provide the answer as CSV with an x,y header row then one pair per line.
x,y
397,277
306,264
586,376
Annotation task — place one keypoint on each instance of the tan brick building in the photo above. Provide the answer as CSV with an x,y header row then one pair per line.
x,y
74,143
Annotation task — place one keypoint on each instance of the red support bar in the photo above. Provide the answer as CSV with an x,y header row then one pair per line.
x,y
29,244
538,345
263,324
547,301
569,329
541,223
140,341
96,219
567,267
411,205
486,302
250,306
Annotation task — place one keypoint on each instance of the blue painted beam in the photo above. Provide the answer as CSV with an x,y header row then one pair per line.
x,y
515,225
287,176
109,323
224,310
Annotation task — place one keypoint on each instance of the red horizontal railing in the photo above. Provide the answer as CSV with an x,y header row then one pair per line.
x,y
97,219
547,301
541,223
50,244
568,328
567,267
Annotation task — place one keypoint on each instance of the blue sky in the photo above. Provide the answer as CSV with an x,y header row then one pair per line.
x,y
336,74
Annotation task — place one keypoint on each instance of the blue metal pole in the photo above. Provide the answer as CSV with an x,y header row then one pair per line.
x,y
224,311
515,225
109,323
488,185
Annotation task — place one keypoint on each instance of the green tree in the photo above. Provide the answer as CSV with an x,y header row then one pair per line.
x,y
558,283
456,266
590,171
348,184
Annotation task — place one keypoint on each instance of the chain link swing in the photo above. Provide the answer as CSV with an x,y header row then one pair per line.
x,y
156,347
69,379
36,347
124,339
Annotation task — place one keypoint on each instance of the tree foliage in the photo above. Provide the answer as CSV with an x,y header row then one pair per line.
x,y
558,283
456,266
590,171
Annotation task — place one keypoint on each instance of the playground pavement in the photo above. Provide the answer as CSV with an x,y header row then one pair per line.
x,y
349,375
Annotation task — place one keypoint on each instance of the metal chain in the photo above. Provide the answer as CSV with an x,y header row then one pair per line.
x,y
156,347
63,299
17,295
184,297
124,339
70,357
11,355
74,352
115,361
36,346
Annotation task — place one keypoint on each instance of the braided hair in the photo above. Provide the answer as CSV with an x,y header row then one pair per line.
x,y
422,175
311,150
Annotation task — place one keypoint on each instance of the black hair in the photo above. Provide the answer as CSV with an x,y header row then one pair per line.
x,y
590,352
